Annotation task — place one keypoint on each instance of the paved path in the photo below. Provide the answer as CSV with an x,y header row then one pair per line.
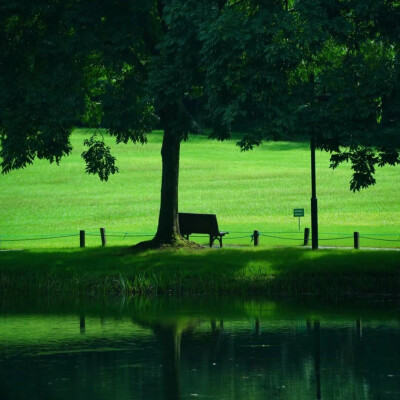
x,y
362,248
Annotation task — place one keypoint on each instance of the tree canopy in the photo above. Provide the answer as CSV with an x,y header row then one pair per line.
x,y
126,66
341,51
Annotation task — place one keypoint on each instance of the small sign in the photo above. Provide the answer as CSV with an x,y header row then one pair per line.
x,y
298,212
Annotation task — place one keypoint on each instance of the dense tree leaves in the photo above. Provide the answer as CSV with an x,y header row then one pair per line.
x,y
99,159
360,124
40,98
285,62
127,66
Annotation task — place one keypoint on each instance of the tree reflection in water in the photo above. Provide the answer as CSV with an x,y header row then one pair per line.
x,y
178,349
169,339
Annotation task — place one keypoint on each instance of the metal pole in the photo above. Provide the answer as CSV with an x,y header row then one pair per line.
x,y
314,202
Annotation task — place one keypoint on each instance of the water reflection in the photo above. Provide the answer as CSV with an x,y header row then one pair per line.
x,y
188,348
317,357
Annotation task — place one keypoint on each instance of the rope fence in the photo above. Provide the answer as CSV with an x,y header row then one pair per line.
x,y
277,237
120,235
338,238
253,237
382,240
41,237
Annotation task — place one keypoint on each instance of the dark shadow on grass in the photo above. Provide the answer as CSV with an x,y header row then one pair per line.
x,y
291,271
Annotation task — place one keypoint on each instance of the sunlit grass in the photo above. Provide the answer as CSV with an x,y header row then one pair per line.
x,y
53,329
247,191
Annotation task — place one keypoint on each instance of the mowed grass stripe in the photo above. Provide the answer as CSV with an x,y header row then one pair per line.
x,y
247,191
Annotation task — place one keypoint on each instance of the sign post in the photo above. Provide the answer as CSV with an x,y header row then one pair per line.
x,y
298,212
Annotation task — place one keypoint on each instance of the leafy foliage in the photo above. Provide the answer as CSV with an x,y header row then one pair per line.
x,y
326,68
130,66
99,159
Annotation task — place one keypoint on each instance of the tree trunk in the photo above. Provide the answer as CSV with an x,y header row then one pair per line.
x,y
168,224
172,120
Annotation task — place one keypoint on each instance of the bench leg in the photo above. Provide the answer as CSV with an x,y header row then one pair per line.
x,y
212,238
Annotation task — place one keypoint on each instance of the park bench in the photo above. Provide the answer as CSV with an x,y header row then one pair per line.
x,y
200,223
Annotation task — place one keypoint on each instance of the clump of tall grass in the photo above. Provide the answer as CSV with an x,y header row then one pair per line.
x,y
288,285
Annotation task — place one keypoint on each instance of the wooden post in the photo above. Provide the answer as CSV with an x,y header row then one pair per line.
x,y
82,238
103,236
356,240
306,236
256,235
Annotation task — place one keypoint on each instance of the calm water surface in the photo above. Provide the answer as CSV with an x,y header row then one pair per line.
x,y
152,348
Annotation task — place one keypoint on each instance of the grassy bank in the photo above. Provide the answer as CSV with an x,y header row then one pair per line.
x,y
286,271
247,191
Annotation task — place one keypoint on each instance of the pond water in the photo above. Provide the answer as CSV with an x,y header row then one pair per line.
x,y
187,348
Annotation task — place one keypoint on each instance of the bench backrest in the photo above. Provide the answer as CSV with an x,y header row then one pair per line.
x,y
198,223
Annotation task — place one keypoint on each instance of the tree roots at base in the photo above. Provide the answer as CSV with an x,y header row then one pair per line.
x,y
175,242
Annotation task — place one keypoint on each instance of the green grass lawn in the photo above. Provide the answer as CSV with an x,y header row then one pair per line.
x,y
247,191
